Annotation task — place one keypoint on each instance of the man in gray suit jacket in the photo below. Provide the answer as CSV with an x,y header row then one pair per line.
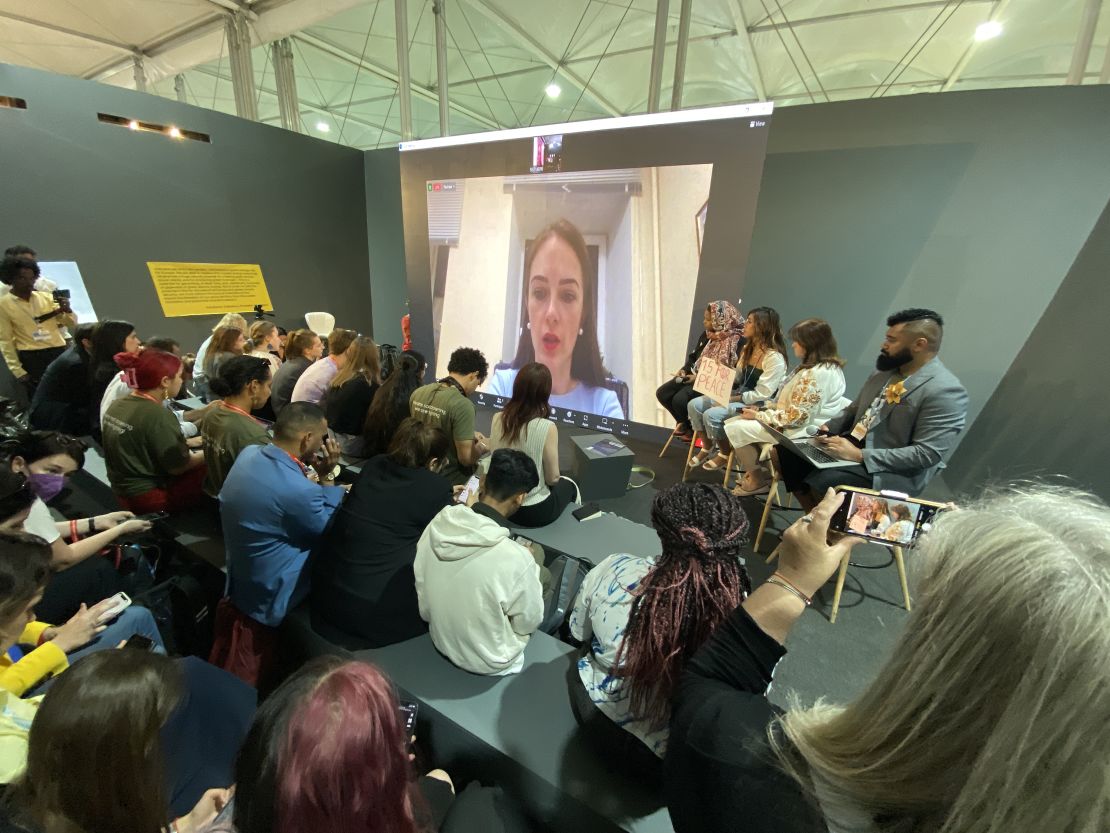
x,y
900,426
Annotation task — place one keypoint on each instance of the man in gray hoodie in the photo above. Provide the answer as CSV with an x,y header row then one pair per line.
x,y
478,589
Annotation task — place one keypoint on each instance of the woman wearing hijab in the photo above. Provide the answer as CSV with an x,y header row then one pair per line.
x,y
721,341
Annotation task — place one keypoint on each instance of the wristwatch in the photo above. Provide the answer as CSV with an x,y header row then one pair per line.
x,y
334,473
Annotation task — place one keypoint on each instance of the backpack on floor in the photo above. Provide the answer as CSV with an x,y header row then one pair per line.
x,y
184,607
567,574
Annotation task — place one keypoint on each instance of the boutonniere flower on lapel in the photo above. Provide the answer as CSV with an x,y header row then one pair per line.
x,y
894,391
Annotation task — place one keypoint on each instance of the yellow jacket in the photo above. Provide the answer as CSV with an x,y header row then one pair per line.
x,y
44,661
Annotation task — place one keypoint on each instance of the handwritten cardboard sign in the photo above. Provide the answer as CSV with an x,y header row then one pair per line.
x,y
715,380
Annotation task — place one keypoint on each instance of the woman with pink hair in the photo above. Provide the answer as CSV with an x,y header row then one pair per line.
x,y
328,751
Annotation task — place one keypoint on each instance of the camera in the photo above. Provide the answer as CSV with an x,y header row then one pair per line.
x,y
61,295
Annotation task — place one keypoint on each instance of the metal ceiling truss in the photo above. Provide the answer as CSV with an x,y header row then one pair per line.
x,y
234,18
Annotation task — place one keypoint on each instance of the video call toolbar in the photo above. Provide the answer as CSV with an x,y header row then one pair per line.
x,y
579,419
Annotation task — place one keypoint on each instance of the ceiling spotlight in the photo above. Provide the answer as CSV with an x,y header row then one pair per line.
x,y
323,127
175,133
552,90
134,125
988,30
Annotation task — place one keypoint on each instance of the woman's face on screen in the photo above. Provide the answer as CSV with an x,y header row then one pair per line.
x,y
555,296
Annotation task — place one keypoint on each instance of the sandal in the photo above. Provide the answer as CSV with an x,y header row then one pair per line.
x,y
748,488
717,463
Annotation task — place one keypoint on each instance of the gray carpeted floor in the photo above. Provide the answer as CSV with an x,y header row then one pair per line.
x,y
831,661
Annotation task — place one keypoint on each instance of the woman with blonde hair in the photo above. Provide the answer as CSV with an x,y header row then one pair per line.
x,y
991,715
351,392
265,343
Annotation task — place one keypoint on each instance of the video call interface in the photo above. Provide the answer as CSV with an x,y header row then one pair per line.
x,y
592,273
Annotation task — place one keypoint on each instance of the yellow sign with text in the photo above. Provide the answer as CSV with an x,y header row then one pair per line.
x,y
208,288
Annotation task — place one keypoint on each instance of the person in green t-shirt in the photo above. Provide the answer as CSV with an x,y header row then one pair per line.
x,y
243,385
150,465
445,404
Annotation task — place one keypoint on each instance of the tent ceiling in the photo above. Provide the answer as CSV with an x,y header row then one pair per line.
x,y
502,54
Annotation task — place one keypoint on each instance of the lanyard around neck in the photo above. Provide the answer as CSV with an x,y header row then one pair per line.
x,y
146,396
239,410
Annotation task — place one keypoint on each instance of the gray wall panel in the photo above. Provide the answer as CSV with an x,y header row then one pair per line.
x,y
1048,414
112,199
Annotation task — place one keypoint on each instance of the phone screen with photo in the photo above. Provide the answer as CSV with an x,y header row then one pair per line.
x,y
883,518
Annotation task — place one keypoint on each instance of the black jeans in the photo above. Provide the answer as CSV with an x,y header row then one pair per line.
x,y
799,474
35,362
624,749
86,582
675,395
548,510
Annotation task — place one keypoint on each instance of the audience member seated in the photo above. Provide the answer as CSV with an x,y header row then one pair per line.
x,y
446,405
759,373
43,461
243,384
150,465
391,404
994,695
227,342
363,591
640,619
721,341
265,343
302,348
480,591
61,400
47,650
27,343
283,336
904,420
813,393
273,515
128,740
328,751
118,388
313,383
524,425
109,339
350,394
200,370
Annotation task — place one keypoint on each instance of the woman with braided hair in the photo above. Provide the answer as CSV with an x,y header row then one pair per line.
x,y
640,619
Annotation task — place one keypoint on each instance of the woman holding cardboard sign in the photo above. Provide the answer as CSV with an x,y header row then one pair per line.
x,y
760,371
722,342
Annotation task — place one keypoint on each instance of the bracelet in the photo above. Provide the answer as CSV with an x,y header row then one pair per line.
x,y
92,526
74,535
786,585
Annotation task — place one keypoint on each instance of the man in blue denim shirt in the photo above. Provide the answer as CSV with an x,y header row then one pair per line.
x,y
274,507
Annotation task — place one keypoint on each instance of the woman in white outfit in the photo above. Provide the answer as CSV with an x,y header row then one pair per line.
x,y
812,394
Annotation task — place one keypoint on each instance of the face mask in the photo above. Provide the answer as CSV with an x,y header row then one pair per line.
x,y
46,486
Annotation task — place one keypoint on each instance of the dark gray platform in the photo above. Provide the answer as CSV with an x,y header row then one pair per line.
x,y
519,732
595,539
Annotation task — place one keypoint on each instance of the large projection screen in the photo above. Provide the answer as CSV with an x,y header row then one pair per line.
x,y
596,260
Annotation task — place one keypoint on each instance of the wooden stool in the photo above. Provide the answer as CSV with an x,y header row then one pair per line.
x,y
771,493
843,573
670,440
